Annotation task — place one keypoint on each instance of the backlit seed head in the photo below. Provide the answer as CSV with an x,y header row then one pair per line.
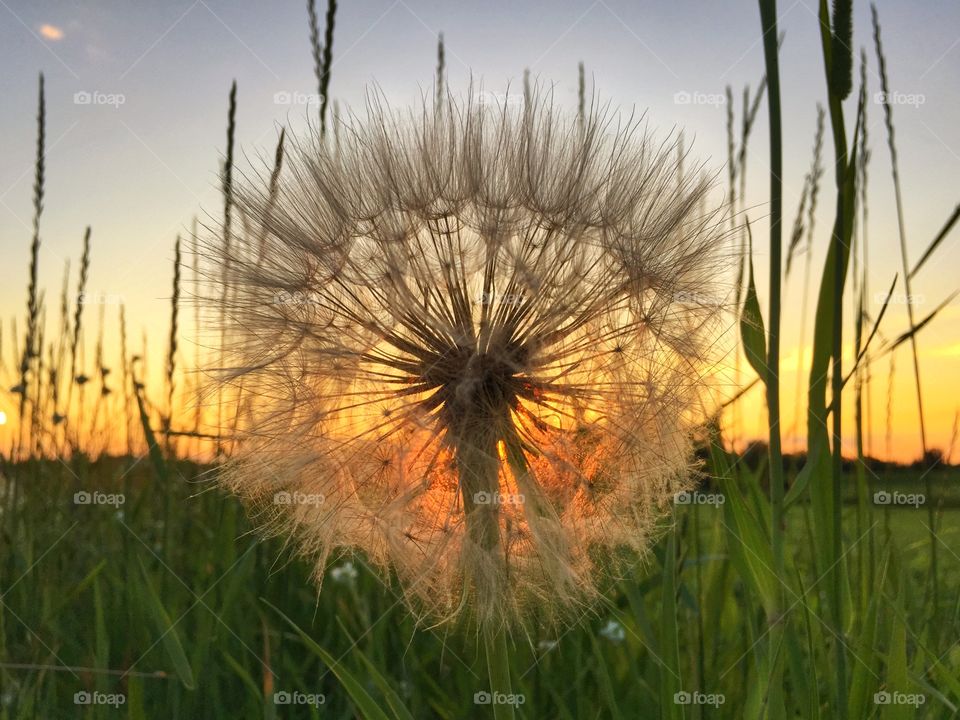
x,y
477,332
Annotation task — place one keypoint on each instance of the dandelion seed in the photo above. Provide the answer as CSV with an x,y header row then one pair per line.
x,y
493,382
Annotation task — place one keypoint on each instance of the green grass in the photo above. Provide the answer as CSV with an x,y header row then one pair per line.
x,y
213,624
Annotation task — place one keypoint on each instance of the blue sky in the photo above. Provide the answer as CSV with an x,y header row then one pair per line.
x,y
139,171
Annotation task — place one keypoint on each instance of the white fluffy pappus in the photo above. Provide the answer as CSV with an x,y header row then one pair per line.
x,y
472,342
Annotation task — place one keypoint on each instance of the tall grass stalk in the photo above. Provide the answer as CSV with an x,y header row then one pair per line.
x,y
581,92
197,384
77,327
322,54
127,381
172,344
901,225
227,188
35,436
768,19
814,176
57,361
902,234
103,395
865,156
861,318
738,285
30,350
888,419
441,69
823,469
736,174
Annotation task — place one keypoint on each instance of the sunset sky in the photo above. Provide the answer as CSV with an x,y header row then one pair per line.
x,y
136,115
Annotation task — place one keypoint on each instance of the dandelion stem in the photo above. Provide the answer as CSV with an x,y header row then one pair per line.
x,y
478,469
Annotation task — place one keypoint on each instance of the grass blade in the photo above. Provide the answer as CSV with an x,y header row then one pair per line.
x,y
168,632
365,703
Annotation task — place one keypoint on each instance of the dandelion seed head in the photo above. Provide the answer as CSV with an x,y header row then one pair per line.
x,y
475,331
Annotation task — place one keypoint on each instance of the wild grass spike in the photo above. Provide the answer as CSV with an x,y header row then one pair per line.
x,y
441,69
841,48
31,349
322,54
172,344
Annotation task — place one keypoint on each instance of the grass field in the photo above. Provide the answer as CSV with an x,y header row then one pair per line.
x,y
166,599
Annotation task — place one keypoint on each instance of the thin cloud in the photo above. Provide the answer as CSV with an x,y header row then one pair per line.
x,y
51,32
